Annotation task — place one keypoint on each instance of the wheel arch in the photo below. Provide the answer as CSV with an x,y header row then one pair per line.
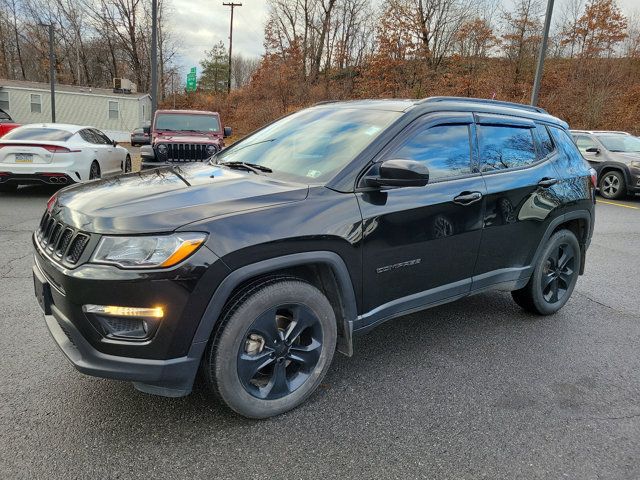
x,y
610,167
324,269
580,222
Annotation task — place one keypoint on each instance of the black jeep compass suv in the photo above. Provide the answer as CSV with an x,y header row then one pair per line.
x,y
255,267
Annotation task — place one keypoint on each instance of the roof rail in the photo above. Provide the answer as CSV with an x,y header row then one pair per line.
x,y
501,103
591,132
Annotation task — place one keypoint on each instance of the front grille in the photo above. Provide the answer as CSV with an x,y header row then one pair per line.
x,y
183,152
60,239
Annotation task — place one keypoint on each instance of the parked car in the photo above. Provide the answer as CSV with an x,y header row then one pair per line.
x,y
179,136
140,136
6,123
255,267
615,157
58,154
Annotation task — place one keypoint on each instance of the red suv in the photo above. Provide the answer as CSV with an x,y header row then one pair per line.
x,y
179,136
6,123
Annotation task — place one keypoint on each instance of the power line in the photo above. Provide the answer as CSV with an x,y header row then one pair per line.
x,y
232,5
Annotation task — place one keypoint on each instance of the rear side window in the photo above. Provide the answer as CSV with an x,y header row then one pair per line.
x,y
571,162
36,134
545,144
583,142
503,147
444,149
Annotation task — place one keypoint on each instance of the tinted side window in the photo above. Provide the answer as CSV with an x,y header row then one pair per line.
x,y
583,142
545,144
505,147
100,137
87,136
444,149
571,162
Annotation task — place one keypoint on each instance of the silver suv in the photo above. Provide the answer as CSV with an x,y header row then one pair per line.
x,y
616,158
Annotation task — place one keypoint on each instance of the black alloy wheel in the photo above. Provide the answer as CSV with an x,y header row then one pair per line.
x,y
280,350
554,276
127,164
94,172
558,272
271,347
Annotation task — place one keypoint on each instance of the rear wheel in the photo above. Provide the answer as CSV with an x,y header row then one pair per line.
x,y
554,276
273,346
94,171
612,185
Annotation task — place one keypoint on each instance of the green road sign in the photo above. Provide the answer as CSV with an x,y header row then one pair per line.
x,y
191,80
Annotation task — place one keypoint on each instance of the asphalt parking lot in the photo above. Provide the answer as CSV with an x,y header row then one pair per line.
x,y
474,389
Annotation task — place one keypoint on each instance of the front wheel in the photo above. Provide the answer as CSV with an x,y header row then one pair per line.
x,y
127,164
273,346
554,276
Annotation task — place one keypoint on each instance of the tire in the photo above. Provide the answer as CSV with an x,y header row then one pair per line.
x,y
127,164
612,185
554,276
260,361
94,171
8,188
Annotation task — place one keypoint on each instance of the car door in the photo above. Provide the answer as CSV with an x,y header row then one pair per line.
x,y
96,148
112,155
523,193
586,143
420,243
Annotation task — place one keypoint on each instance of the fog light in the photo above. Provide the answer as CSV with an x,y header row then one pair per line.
x,y
114,311
126,323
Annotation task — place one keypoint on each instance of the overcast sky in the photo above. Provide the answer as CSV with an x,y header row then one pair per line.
x,y
198,25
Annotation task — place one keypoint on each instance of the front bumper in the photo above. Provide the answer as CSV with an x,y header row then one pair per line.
x,y
148,165
165,364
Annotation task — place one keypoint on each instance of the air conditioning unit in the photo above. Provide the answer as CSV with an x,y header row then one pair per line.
x,y
122,85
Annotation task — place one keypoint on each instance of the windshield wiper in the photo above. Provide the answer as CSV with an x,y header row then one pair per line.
x,y
250,167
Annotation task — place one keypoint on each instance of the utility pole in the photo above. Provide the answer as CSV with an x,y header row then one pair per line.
x,y
52,71
543,52
232,5
154,57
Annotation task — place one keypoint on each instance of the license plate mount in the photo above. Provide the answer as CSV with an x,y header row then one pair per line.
x,y
42,290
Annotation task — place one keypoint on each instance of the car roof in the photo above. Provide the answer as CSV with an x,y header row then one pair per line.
x,y
57,126
191,112
464,104
599,132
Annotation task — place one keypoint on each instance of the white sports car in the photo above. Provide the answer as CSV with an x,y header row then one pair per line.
x,y
58,154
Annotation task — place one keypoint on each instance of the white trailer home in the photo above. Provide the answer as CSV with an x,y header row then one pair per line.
x,y
116,114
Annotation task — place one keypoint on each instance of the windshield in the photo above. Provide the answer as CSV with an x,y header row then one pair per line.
x,y
184,122
620,143
313,144
38,133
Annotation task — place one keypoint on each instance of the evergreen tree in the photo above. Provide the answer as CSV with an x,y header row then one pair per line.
x,y
215,70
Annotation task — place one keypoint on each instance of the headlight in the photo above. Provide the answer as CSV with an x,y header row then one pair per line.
x,y
147,251
211,149
162,148
635,164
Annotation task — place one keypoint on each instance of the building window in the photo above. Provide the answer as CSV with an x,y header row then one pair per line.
x,y
4,101
36,103
114,110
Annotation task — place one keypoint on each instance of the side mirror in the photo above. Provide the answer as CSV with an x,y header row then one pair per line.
x,y
595,150
227,132
399,173
114,143
147,153
147,130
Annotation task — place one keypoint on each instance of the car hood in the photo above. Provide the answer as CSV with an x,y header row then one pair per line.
x,y
188,138
164,199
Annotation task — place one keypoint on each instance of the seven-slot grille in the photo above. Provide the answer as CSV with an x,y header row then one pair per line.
x,y
61,240
183,152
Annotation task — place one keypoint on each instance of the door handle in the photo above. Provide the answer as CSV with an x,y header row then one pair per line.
x,y
546,182
467,198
